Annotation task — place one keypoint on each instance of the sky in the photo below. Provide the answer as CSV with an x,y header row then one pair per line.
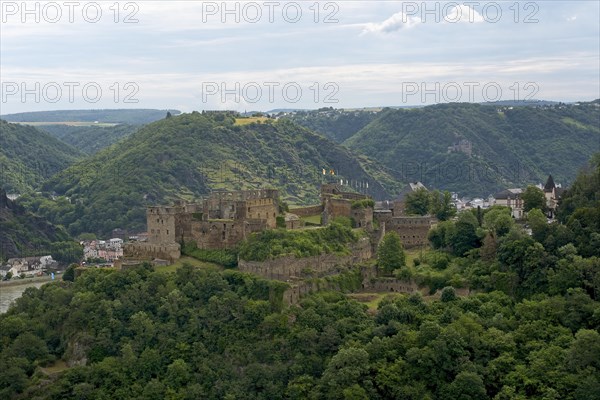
x,y
264,55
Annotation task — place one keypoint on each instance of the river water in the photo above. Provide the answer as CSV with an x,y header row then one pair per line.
x,y
8,294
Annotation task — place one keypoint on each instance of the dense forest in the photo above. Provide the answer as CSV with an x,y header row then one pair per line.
x,y
188,156
528,330
511,146
29,156
89,139
25,234
337,125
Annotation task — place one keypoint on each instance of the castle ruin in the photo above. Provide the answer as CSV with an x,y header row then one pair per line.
x,y
220,221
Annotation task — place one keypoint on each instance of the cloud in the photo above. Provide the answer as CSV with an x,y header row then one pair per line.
x,y
400,20
463,13
392,24
571,19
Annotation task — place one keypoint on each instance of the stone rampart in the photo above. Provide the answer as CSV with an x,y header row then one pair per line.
x,y
290,268
307,211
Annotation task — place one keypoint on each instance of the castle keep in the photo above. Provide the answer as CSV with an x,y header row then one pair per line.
x,y
339,203
221,221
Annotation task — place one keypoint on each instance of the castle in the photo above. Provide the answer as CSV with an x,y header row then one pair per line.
x,y
220,222
224,219
463,146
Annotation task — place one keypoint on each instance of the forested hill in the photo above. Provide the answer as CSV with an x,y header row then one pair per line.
x,y
121,116
527,330
89,139
511,146
28,156
337,124
23,234
190,155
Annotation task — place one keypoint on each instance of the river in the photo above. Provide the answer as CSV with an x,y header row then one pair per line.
x,y
9,293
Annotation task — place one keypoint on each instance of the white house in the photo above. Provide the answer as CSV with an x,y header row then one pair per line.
x,y
29,266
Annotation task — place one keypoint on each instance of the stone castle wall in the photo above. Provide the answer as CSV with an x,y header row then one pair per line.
x,y
412,230
307,211
223,234
370,283
289,268
149,251
334,208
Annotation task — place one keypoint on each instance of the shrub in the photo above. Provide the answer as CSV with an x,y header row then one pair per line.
x,y
448,294
226,258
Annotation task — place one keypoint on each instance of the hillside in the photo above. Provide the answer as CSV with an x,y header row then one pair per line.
x,y
511,146
121,116
28,156
337,125
89,139
22,233
515,317
188,156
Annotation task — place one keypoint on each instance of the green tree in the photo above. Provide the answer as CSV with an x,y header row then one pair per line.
x,y
69,274
467,386
346,368
441,205
538,224
418,202
440,235
533,197
67,252
585,350
498,221
464,237
390,254
448,294
178,374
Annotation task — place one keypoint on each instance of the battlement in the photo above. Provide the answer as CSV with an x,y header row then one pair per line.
x,y
164,210
244,195
333,189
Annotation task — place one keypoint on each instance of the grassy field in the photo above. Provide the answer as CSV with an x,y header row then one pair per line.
x,y
412,254
249,120
372,300
58,366
313,219
188,260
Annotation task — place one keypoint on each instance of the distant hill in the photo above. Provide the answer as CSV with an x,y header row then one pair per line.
x,y
89,139
23,234
337,124
521,103
28,156
189,155
121,116
511,146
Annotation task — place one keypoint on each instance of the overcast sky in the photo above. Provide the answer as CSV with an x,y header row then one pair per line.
x,y
193,55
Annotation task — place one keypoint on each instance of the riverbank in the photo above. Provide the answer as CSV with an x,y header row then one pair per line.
x,y
10,291
27,281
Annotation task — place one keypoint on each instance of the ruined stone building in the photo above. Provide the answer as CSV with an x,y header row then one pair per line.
x,y
412,229
339,203
221,221
463,146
